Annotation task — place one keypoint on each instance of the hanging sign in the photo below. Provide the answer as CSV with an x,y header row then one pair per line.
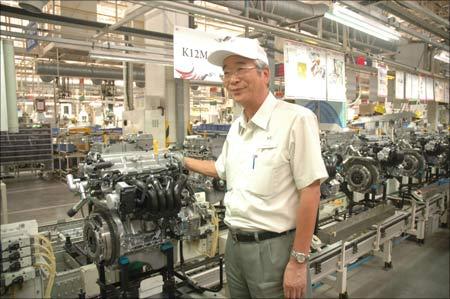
x,y
190,53
414,87
382,80
336,90
422,88
305,71
429,88
399,85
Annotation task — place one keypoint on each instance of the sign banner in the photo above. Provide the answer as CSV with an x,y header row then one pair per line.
x,y
414,87
382,81
446,92
439,92
408,86
336,77
422,88
305,69
31,29
190,54
399,85
429,88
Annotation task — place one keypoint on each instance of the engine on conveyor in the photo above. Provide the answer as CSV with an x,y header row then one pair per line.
x,y
137,202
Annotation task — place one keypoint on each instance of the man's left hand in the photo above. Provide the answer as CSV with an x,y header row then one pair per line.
x,y
294,282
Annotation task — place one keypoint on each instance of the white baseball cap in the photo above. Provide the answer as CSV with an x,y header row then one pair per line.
x,y
241,46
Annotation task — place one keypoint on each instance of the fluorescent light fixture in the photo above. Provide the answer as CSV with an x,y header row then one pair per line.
x,y
127,57
443,56
351,19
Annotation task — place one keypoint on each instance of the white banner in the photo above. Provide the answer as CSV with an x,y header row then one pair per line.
x,y
439,93
422,88
414,87
430,89
446,92
399,85
408,86
190,55
336,77
304,72
382,81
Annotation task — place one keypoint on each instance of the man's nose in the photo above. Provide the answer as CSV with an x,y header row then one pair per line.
x,y
234,79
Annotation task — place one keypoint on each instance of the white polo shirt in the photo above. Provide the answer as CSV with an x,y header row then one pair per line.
x,y
266,161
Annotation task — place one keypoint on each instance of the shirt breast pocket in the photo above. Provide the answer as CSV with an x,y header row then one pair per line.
x,y
261,179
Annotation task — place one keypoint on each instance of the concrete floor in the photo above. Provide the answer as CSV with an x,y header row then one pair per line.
x,y
420,271
30,197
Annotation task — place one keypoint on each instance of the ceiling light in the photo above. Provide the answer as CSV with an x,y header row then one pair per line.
x,y
443,56
351,19
126,57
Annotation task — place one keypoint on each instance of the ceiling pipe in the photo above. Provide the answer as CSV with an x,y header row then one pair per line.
x,y
415,6
399,27
282,32
297,11
189,8
395,9
289,9
33,5
23,14
85,71
133,13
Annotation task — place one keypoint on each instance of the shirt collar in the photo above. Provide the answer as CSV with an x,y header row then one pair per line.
x,y
262,116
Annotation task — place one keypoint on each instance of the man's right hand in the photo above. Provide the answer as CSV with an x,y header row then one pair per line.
x,y
179,157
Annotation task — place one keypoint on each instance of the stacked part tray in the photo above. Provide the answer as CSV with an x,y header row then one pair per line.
x,y
29,146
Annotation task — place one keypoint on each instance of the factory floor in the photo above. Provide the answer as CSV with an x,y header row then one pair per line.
x,y
419,271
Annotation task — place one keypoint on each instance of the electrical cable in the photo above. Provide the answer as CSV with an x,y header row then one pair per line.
x,y
43,248
51,257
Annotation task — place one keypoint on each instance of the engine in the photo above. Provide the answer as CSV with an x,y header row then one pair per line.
x,y
199,147
137,202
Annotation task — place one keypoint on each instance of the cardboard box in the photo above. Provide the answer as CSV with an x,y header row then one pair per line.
x,y
367,109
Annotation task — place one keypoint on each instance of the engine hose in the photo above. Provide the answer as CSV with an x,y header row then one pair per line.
x,y
103,165
177,189
153,200
98,204
161,195
169,194
143,188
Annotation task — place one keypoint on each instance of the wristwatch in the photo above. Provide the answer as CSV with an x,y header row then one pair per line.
x,y
299,256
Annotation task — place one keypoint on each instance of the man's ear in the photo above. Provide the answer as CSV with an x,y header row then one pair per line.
x,y
266,74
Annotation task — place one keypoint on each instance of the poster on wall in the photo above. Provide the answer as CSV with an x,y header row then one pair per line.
x,y
439,92
399,85
305,72
446,92
382,80
190,55
336,77
429,88
422,88
408,86
414,87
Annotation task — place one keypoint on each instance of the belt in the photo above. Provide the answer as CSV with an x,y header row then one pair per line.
x,y
256,236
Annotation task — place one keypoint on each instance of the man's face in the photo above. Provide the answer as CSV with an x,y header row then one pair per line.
x,y
244,81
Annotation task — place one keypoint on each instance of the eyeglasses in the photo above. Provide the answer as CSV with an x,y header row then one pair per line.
x,y
239,72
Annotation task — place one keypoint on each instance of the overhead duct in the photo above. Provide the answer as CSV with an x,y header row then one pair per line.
x,y
298,11
33,5
70,70
289,9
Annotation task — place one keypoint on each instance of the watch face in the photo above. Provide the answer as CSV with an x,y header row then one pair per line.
x,y
300,258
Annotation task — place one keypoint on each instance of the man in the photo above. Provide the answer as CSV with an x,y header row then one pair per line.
x,y
272,163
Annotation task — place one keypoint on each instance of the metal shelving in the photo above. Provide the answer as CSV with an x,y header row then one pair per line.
x,y
30,148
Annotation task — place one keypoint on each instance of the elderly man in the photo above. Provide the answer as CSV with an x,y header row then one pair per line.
x,y
272,163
